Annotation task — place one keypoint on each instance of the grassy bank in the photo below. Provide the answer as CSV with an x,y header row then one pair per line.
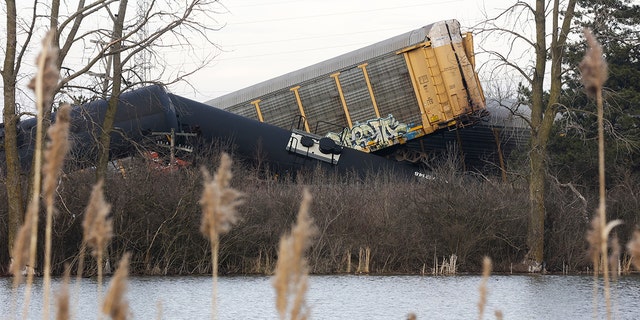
x,y
406,226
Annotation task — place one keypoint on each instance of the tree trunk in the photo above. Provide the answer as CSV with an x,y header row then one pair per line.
x,y
14,179
542,118
112,107
535,230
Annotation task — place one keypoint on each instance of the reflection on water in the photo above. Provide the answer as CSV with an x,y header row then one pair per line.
x,y
352,297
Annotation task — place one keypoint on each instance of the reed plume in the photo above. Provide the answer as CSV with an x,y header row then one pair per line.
x,y
633,247
593,69
219,204
115,305
54,157
594,238
97,228
291,275
219,201
55,153
486,272
44,85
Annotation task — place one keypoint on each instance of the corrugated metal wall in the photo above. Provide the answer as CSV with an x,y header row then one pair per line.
x,y
321,102
393,89
327,67
278,108
322,105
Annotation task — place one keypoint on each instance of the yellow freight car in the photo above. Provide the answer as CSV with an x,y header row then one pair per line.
x,y
382,95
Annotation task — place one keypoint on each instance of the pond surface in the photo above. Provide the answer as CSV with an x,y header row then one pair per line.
x,y
351,297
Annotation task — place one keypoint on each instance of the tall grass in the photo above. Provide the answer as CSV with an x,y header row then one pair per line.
x,y
98,228
219,204
292,271
64,308
634,249
54,157
43,84
593,68
115,305
486,272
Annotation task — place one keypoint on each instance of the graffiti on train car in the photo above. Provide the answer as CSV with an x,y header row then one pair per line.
x,y
376,134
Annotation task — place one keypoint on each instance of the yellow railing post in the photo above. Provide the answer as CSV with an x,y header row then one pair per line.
x,y
344,102
366,79
256,103
304,117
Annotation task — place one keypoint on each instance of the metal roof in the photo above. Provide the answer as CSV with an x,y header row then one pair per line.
x,y
350,59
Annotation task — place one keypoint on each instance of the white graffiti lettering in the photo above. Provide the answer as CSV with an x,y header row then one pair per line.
x,y
373,134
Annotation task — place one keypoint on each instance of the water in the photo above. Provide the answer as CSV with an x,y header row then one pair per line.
x,y
353,297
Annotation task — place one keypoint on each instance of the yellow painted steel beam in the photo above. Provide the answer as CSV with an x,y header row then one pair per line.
x,y
366,79
304,117
256,103
415,46
344,102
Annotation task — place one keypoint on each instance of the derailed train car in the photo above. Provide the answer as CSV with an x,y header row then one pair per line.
x,y
148,113
350,112
139,113
377,98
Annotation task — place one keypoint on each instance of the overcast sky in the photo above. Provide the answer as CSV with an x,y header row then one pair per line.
x,y
262,39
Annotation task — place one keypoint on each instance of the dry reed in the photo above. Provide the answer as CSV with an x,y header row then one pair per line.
x,y
219,201
115,305
63,297
486,272
97,228
633,247
594,237
55,153
291,276
54,157
593,69
614,257
80,268
43,84
20,253
219,204
364,260
347,257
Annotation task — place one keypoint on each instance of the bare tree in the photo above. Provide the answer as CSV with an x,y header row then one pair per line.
x,y
175,24
109,118
526,28
10,70
125,47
